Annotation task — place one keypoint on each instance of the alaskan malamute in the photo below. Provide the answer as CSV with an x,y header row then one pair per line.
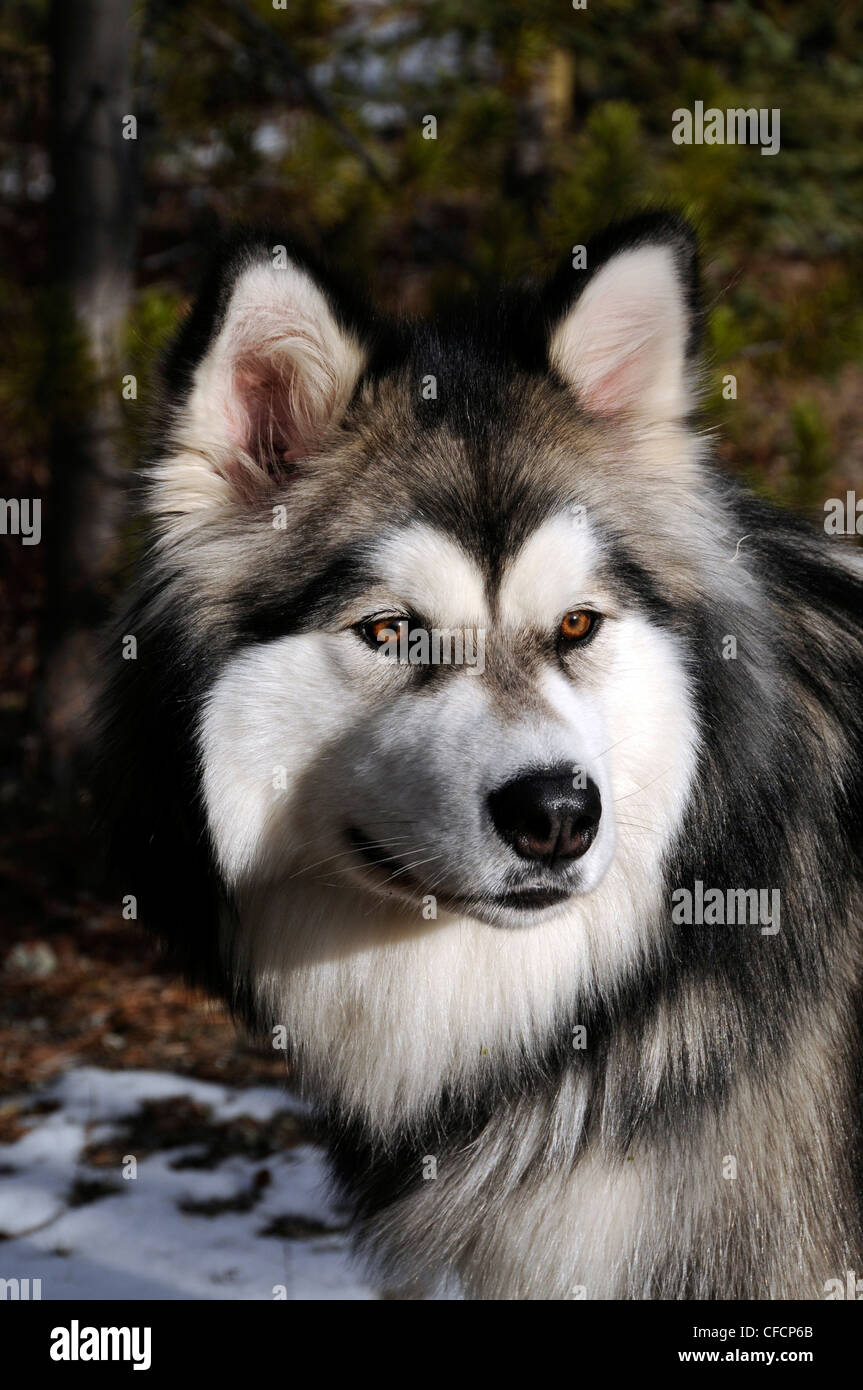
x,y
484,744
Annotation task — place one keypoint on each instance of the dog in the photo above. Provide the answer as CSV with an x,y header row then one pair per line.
x,y
564,943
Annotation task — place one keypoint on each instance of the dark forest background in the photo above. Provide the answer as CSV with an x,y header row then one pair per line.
x,y
309,115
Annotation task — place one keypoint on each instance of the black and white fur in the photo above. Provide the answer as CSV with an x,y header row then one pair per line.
x,y
287,799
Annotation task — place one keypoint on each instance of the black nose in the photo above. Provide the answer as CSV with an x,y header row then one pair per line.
x,y
543,816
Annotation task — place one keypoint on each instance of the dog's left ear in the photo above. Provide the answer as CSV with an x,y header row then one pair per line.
x,y
623,331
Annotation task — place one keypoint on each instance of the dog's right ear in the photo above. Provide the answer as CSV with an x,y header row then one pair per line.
x,y
263,389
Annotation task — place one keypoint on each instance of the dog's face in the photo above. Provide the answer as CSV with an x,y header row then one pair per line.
x,y
453,698
486,782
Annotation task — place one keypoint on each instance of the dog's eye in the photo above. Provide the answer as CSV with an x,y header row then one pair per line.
x,y
376,631
578,625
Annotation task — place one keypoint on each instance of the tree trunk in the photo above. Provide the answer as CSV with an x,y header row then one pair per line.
x,y
93,245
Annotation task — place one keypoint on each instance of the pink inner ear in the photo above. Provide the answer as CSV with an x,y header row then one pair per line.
x,y
621,346
619,387
265,417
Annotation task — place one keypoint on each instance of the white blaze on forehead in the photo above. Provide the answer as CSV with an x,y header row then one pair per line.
x,y
428,571
554,569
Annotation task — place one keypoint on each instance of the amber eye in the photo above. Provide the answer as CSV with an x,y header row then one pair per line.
x,y
578,624
376,631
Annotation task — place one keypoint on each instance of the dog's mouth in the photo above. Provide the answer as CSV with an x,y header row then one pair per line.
x,y
525,905
389,872
532,898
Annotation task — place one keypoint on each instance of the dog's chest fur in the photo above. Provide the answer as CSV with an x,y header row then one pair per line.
x,y
750,1199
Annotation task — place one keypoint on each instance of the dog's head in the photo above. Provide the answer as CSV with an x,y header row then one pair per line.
x,y
432,573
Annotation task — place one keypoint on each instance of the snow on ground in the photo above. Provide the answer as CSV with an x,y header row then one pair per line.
x,y
229,1200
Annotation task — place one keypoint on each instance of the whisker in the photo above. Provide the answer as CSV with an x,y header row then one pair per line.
x,y
417,863
373,844
642,789
616,744
349,868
